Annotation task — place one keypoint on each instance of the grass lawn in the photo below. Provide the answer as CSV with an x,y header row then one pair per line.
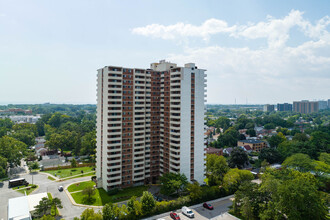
x,y
50,178
82,175
80,186
69,172
28,191
101,197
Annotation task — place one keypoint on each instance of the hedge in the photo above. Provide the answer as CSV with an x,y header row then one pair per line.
x,y
69,166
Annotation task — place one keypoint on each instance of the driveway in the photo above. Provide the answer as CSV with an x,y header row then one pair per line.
x,y
69,211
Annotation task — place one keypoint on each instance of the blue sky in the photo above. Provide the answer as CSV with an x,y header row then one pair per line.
x,y
260,51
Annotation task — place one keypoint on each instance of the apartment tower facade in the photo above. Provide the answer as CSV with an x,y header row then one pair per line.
x,y
305,106
149,122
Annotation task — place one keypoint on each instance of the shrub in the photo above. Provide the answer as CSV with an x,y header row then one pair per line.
x,y
113,191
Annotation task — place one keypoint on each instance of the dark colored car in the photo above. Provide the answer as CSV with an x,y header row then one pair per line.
x,y
60,188
207,206
175,216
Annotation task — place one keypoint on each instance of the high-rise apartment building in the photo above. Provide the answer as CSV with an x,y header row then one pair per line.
x,y
149,122
284,107
323,105
269,108
305,106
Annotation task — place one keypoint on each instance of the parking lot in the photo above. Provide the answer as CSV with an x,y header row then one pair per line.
x,y
221,207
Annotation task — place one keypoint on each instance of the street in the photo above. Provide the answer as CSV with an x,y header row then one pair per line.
x,y
69,211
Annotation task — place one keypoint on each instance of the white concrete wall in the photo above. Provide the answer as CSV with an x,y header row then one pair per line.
x,y
185,129
199,157
98,124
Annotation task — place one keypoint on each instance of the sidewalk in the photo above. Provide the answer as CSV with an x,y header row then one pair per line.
x,y
65,178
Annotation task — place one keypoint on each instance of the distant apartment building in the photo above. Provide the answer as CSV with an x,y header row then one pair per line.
x,y
149,122
305,106
323,105
15,111
285,107
255,145
269,108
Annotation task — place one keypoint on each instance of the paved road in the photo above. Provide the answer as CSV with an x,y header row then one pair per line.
x,y
68,212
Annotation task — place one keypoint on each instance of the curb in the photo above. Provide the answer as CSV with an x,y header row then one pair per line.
x,y
74,202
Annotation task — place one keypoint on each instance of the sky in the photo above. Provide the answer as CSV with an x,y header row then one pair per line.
x,y
255,52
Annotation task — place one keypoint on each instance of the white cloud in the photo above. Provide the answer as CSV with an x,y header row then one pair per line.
x,y
276,31
264,75
179,30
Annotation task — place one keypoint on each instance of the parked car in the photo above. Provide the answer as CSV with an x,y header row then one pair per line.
x,y
207,206
174,216
60,188
187,211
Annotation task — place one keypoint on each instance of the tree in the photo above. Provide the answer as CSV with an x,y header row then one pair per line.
x,y
235,177
56,203
148,203
229,138
173,182
12,149
3,167
134,208
47,217
26,136
89,192
110,211
275,140
271,155
222,122
43,207
88,143
238,158
216,167
33,166
269,126
291,195
301,162
325,157
300,137
195,191
89,214
73,163
251,132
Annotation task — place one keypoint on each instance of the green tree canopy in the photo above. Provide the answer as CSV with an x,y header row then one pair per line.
x,y
148,203
238,158
12,149
173,183
301,162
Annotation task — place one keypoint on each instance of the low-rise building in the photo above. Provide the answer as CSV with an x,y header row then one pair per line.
x,y
255,145
23,208
212,150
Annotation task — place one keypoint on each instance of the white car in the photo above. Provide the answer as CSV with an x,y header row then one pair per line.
x,y
60,188
187,211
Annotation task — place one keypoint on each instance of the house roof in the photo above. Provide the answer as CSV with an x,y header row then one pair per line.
x,y
211,150
247,147
228,149
18,208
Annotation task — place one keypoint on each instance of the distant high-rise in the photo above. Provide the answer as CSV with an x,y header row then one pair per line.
x,y
149,122
305,106
323,105
269,108
284,107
